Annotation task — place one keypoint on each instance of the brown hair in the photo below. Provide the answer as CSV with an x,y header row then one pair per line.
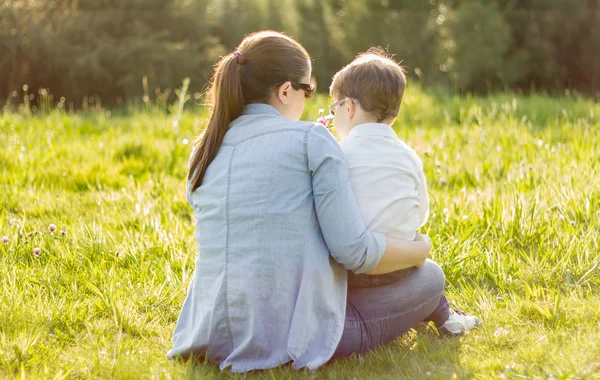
x,y
262,61
375,80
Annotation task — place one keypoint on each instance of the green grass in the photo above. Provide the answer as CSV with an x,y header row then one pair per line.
x,y
515,199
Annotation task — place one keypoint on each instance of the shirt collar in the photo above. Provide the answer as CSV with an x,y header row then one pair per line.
x,y
260,109
372,129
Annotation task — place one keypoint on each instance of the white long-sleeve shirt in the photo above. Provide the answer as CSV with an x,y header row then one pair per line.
x,y
387,179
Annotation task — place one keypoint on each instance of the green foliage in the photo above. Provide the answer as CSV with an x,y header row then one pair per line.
x,y
515,221
315,22
105,48
476,39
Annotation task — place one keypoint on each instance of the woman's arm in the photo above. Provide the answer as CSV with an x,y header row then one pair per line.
x,y
349,241
402,254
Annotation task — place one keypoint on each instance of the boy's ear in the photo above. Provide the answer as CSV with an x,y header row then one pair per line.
x,y
351,108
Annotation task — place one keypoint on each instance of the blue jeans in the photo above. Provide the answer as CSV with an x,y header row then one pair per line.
x,y
377,315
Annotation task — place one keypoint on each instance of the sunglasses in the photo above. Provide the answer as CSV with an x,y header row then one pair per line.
x,y
339,102
308,89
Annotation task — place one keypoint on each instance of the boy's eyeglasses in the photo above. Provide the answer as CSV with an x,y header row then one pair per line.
x,y
307,88
339,102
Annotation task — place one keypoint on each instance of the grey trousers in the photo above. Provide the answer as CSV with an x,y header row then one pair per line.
x,y
377,315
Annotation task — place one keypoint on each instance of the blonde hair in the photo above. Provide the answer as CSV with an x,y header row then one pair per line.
x,y
376,80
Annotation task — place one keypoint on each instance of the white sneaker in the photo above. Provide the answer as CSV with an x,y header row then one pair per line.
x,y
459,323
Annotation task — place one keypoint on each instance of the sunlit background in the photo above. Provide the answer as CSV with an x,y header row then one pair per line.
x,y
77,48
98,121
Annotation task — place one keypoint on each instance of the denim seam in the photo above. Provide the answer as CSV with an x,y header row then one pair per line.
x,y
306,135
333,189
264,134
361,324
227,234
399,314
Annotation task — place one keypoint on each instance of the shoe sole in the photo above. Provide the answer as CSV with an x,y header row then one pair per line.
x,y
447,332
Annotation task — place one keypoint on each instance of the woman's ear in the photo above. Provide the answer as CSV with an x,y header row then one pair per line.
x,y
283,92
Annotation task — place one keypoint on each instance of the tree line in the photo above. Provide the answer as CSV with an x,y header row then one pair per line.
x,y
104,48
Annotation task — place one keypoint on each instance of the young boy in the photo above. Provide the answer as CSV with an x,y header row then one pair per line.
x,y
386,174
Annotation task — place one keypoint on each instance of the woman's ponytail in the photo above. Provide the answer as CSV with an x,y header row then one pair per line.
x,y
227,102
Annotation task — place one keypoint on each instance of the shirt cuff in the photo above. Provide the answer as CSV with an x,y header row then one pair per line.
x,y
374,253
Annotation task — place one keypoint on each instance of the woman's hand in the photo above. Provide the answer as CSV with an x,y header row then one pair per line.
x,y
422,237
427,240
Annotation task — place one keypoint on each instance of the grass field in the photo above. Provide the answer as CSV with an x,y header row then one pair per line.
x,y
515,199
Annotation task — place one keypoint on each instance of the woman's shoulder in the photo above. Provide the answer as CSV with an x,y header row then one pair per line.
x,y
318,134
251,126
316,137
306,126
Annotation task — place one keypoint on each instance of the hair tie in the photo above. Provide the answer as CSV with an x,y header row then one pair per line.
x,y
240,57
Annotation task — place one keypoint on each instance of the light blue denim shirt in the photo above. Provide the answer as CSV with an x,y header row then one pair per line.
x,y
277,227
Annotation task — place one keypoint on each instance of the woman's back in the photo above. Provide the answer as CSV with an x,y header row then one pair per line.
x,y
265,291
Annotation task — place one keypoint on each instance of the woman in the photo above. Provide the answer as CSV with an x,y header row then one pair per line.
x,y
278,226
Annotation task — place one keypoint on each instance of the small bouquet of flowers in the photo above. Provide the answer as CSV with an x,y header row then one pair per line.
x,y
325,120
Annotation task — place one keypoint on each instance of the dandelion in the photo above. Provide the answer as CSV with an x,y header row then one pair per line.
x,y
500,332
37,251
52,228
323,120
5,239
